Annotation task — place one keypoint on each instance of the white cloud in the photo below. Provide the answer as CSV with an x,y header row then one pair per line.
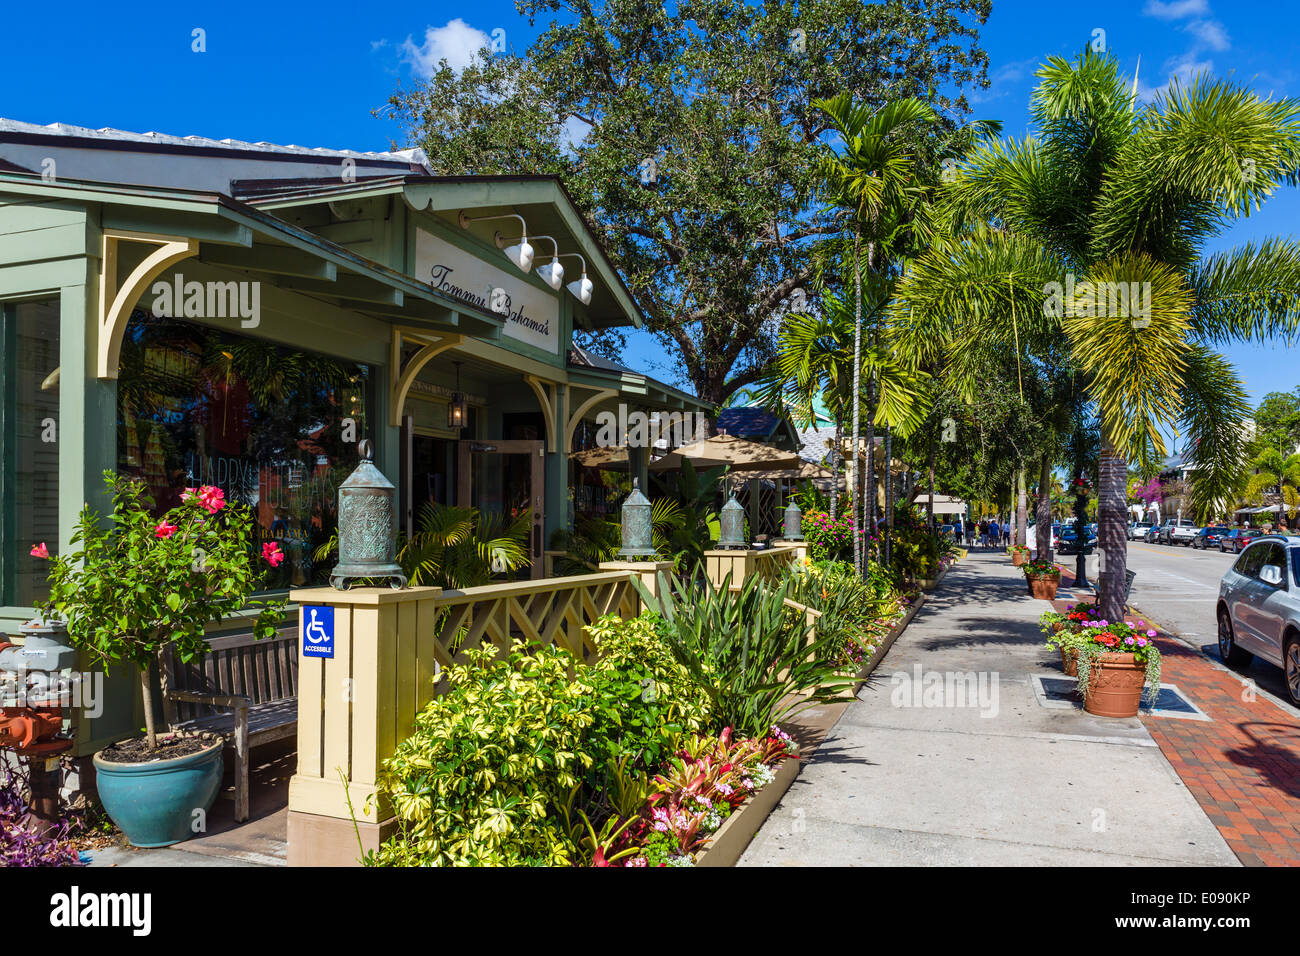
x,y
1209,34
1176,9
1181,69
458,43
1004,78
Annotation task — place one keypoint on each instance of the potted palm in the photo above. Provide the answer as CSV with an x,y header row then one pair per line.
x,y
137,584
1043,578
1116,660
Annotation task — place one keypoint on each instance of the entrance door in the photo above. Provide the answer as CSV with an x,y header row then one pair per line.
x,y
504,478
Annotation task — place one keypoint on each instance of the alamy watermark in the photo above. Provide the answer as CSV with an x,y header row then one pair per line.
x,y
1086,299
946,689
209,300
637,429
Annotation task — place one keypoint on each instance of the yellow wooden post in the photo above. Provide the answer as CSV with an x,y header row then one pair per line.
x,y
353,709
648,571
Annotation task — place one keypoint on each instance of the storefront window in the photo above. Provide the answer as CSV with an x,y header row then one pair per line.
x,y
29,466
273,427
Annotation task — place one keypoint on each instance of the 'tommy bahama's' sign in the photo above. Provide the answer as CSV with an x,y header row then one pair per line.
x,y
532,315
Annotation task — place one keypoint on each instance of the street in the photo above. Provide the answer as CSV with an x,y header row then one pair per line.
x,y
1179,588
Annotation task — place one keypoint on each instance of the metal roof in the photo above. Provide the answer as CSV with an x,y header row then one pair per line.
x,y
109,136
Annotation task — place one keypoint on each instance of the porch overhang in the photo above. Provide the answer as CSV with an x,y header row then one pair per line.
x,y
224,233
541,200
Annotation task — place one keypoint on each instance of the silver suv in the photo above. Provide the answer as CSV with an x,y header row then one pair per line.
x,y
1259,608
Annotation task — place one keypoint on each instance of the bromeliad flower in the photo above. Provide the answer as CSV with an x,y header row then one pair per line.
x,y
272,553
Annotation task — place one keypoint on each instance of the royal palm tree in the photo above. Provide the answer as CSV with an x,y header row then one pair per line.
x,y
1094,230
873,176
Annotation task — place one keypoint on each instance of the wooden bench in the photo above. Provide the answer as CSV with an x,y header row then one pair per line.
x,y
243,689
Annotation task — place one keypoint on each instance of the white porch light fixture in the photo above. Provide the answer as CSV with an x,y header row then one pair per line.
x,y
552,273
580,288
521,252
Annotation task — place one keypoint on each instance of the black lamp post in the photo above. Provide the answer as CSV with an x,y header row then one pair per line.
x,y
1081,538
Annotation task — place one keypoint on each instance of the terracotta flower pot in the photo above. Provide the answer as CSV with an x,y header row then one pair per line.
x,y
1115,685
1070,661
1018,558
1043,586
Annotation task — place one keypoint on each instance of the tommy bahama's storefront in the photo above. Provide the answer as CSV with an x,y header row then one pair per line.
x,y
250,341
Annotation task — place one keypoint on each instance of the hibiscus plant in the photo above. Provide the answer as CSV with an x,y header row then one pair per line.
x,y
140,583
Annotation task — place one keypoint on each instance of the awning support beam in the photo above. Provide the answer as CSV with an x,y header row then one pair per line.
x,y
402,378
117,302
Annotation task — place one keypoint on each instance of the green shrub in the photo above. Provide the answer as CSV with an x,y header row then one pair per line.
x,y
750,652
517,746
479,781
848,605
658,703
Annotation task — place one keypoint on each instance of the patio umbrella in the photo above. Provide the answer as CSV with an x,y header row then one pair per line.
x,y
728,451
613,458
804,471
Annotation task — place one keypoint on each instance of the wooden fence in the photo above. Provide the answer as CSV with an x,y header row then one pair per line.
x,y
388,650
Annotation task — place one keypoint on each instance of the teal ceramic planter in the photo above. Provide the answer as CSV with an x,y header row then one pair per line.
x,y
154,803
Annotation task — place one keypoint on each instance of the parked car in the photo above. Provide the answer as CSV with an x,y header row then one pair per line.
x,y
1237,539
1070,540
1208,537
1138,529
1178,531
1259,608
1153,534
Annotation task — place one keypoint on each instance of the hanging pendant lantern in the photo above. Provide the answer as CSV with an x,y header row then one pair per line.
x,y
458,407
638,533
732,525
367,525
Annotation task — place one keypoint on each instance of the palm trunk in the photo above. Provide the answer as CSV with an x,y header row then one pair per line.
x,y
889,495
929,508
858,563
1111,536
1022,510
1044,511
836,460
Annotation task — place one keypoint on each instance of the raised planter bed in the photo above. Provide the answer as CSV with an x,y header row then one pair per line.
x,y
731,839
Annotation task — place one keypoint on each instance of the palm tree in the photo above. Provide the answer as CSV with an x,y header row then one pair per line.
x,y
1095,228
1279,474
873,177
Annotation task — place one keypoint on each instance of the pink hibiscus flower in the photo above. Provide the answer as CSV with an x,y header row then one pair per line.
x,y
272,553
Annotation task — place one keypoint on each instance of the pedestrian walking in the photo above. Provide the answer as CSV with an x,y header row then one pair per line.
x,y
995,533
984,533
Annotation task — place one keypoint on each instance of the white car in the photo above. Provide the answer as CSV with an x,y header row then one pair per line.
x,y
1138,529
1259,608
1184,532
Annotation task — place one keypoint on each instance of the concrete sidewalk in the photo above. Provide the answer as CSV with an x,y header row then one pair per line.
x,y
916,776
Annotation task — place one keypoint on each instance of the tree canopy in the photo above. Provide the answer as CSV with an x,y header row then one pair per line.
x,y
686,134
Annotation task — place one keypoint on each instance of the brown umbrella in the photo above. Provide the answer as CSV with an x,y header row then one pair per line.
x,y
730,451
807,470
613,458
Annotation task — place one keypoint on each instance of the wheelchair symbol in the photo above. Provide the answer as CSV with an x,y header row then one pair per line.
x,y
316,627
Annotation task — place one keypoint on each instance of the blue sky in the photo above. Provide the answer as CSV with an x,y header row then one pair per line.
x,y
311,74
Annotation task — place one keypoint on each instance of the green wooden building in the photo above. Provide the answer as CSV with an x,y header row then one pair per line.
x,y
194,311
